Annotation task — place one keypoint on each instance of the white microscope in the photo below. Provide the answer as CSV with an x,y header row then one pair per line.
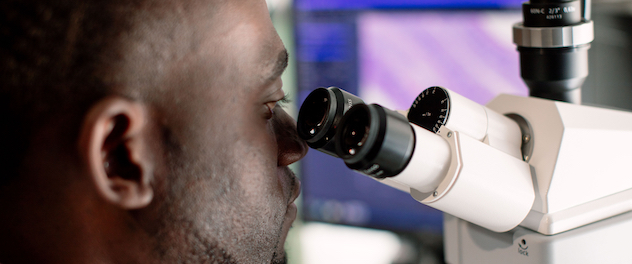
x,y
541,179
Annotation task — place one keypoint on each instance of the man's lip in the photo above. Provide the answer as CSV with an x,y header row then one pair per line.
x,y
297,190
293,184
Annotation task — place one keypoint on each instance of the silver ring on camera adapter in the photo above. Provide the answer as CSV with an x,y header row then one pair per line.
x,y
553,37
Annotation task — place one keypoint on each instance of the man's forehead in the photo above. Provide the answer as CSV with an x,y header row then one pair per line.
x,y
213,38
259,44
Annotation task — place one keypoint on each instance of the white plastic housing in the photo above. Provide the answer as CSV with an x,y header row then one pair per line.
x,y
482,124
581,159
483,185
429,163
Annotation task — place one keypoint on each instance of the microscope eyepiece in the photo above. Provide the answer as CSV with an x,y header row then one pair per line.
x,y
375,141
320,114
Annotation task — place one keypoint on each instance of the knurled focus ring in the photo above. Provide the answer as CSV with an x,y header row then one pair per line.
x,y
553,37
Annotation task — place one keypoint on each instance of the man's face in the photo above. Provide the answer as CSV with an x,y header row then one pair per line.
x,y
228,194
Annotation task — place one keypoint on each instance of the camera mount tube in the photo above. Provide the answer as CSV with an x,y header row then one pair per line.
x,y
320,114
553,42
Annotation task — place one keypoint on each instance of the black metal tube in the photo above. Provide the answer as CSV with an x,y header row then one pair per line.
x,y
555,73
552,70
551,13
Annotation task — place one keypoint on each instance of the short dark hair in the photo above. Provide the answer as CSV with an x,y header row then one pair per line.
x,y
54,59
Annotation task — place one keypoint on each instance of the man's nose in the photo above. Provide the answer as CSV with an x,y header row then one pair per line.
x,y
291,147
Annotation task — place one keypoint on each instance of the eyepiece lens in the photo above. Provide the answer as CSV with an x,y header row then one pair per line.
x,y
317,117
355,133
314,112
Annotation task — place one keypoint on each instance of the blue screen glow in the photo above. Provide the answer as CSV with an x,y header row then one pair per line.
x,y
403,4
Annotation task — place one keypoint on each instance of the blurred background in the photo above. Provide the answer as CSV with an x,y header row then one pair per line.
x,y
387,51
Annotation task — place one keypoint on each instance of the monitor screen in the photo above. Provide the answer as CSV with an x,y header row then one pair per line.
x,y
313,5
387,52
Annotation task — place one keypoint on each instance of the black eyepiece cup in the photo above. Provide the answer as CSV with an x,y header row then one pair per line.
x,y
375,141
320,114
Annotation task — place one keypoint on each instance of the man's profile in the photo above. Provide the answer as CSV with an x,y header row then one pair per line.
x,y
143,131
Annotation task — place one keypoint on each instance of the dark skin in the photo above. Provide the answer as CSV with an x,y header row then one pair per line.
x,y
198,174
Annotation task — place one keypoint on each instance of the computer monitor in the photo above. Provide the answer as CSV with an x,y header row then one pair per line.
x,y
387,52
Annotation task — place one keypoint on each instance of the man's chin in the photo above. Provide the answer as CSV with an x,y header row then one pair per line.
x,y
290,216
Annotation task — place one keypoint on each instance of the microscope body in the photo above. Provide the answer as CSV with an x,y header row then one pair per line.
x,y
605,241
579,163
520,180
578,155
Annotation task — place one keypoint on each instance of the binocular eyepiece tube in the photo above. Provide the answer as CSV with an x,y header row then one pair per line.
x,y
465,165
373,140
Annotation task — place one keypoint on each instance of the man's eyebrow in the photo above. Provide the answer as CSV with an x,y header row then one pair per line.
x,y
279,65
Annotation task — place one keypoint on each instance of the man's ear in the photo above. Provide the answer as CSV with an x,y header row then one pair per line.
x,y
114,145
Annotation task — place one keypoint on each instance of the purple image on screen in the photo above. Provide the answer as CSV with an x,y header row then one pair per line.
x,y
401,54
